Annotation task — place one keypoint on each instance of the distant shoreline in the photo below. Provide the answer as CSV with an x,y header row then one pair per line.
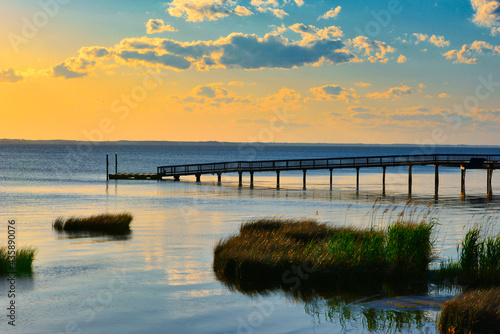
x,y
154,142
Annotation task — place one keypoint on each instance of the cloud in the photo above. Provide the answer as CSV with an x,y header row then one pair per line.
x,y
495,31
361,109
487,12
211,97
201,10
394,93
333,93
467,54
310,33
362,84
154,26
376,51
330,14
402,59
444,96
10,75
270,6
244,51
438,41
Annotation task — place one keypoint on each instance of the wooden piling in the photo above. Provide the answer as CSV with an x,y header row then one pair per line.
x,y
331,178
240,179
410,179
251,179
489,189
116,163
219,178
436,180
107,166
357,178
304,171
198,177
277,179
462,181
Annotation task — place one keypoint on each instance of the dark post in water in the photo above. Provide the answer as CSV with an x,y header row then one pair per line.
x,y
107,166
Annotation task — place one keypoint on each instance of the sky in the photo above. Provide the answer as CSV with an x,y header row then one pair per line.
x,y
343,71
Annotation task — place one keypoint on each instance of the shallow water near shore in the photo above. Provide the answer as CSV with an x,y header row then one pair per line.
x,y
159,278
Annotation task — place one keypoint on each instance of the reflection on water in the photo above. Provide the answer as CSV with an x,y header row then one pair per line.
x,y
93,236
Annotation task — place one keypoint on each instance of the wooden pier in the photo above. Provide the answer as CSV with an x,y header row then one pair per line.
x,y
463,161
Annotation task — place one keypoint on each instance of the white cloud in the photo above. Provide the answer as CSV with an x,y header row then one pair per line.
x,y
402,59
154,26
487,12
270,6
201,10
331,13
438,41
375,51
467,54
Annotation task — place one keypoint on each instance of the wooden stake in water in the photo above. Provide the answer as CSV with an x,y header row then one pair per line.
x,y
107,166
116,163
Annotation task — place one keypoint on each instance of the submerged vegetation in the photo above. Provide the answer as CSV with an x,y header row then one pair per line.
x,y
117,223
293,253
478,262
24,258
476,311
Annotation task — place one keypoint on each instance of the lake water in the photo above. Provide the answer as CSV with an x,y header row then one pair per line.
x,y
159,278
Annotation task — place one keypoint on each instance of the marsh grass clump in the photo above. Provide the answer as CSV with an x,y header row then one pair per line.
x,y
475,311
478,262
116,223
24,260
277,252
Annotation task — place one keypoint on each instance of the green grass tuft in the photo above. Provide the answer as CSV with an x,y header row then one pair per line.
x,y
475,311
109,223
24,261
266,251
478,262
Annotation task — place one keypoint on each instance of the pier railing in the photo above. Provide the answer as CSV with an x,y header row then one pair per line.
x,y
452,160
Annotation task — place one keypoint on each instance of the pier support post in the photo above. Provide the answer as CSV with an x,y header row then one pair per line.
x,y
436,180
177,177
462,181
219,178
240,179
489,189
116,163
383,179
410,179
277,179
107,166
198,177
357,178
304,171
251,179
331,178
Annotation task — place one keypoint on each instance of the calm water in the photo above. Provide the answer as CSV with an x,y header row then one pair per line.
x,y
159,278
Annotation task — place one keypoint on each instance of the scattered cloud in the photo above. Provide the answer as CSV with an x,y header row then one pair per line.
x,y
269,6
362,84
333,93
154,26
330,14
393,93
444,96
310,33
10,75
209,10
468,53
402,59
438,41
376,51
487,12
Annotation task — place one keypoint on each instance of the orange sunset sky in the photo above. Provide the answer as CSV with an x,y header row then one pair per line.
x,y
261,70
